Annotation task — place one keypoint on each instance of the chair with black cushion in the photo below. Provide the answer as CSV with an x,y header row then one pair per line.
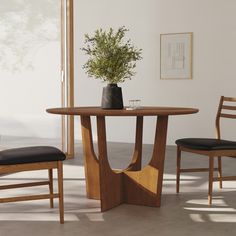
x,y
29,159
213,148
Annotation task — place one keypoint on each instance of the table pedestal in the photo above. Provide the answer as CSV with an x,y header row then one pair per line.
x,y
132,185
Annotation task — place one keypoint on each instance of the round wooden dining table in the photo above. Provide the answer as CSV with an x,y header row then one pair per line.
x,y
135,184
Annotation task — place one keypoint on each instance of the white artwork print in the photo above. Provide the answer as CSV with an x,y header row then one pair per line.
x,y
176,56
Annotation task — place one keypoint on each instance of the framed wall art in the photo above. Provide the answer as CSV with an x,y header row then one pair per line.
x,y
176,55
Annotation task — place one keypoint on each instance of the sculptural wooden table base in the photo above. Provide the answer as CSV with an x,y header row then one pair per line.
x,y
134,185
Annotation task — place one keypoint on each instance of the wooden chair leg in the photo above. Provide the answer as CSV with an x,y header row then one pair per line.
x,y
220,172
178,169
60,190
50,176
211,171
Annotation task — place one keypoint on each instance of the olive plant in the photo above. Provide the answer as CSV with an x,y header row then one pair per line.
x,y
111,58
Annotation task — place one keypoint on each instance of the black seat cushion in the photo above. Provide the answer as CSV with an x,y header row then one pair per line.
x,y
30,155
206,144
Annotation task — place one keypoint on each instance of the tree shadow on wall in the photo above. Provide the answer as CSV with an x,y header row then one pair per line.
x,y
25,26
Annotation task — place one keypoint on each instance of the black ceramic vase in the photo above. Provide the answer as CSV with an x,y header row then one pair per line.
x,y
112,97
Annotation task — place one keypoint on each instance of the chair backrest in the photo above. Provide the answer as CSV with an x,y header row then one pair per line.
x,y
226,109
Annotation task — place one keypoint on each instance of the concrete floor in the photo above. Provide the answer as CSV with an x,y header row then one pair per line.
x,y
185,214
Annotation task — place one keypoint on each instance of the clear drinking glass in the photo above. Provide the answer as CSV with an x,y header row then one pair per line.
x,y
134,104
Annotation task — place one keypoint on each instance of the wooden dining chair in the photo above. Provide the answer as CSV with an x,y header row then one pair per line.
x,y
31,159
213,148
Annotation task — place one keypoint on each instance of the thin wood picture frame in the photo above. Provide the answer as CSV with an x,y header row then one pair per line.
x,y
176,51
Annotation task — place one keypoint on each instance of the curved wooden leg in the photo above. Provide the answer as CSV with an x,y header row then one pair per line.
x,y
110,182
144,187
220,172
178,168
211,171
136,162
91,164
158,157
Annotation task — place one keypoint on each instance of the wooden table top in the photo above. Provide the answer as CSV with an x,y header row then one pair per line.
x,y
142,111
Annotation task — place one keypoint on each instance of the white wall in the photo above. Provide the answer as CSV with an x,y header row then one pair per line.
x,y
25,93
29,67
213,23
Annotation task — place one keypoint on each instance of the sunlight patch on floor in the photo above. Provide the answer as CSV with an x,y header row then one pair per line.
x,y
208,209
219,212
222,218
23,216
95,217
216,218
217,202
197,217
182,178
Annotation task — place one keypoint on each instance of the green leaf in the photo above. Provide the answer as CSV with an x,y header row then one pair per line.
x,y
111,58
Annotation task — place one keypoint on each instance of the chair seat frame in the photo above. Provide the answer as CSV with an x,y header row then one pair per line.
x,y
9,169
